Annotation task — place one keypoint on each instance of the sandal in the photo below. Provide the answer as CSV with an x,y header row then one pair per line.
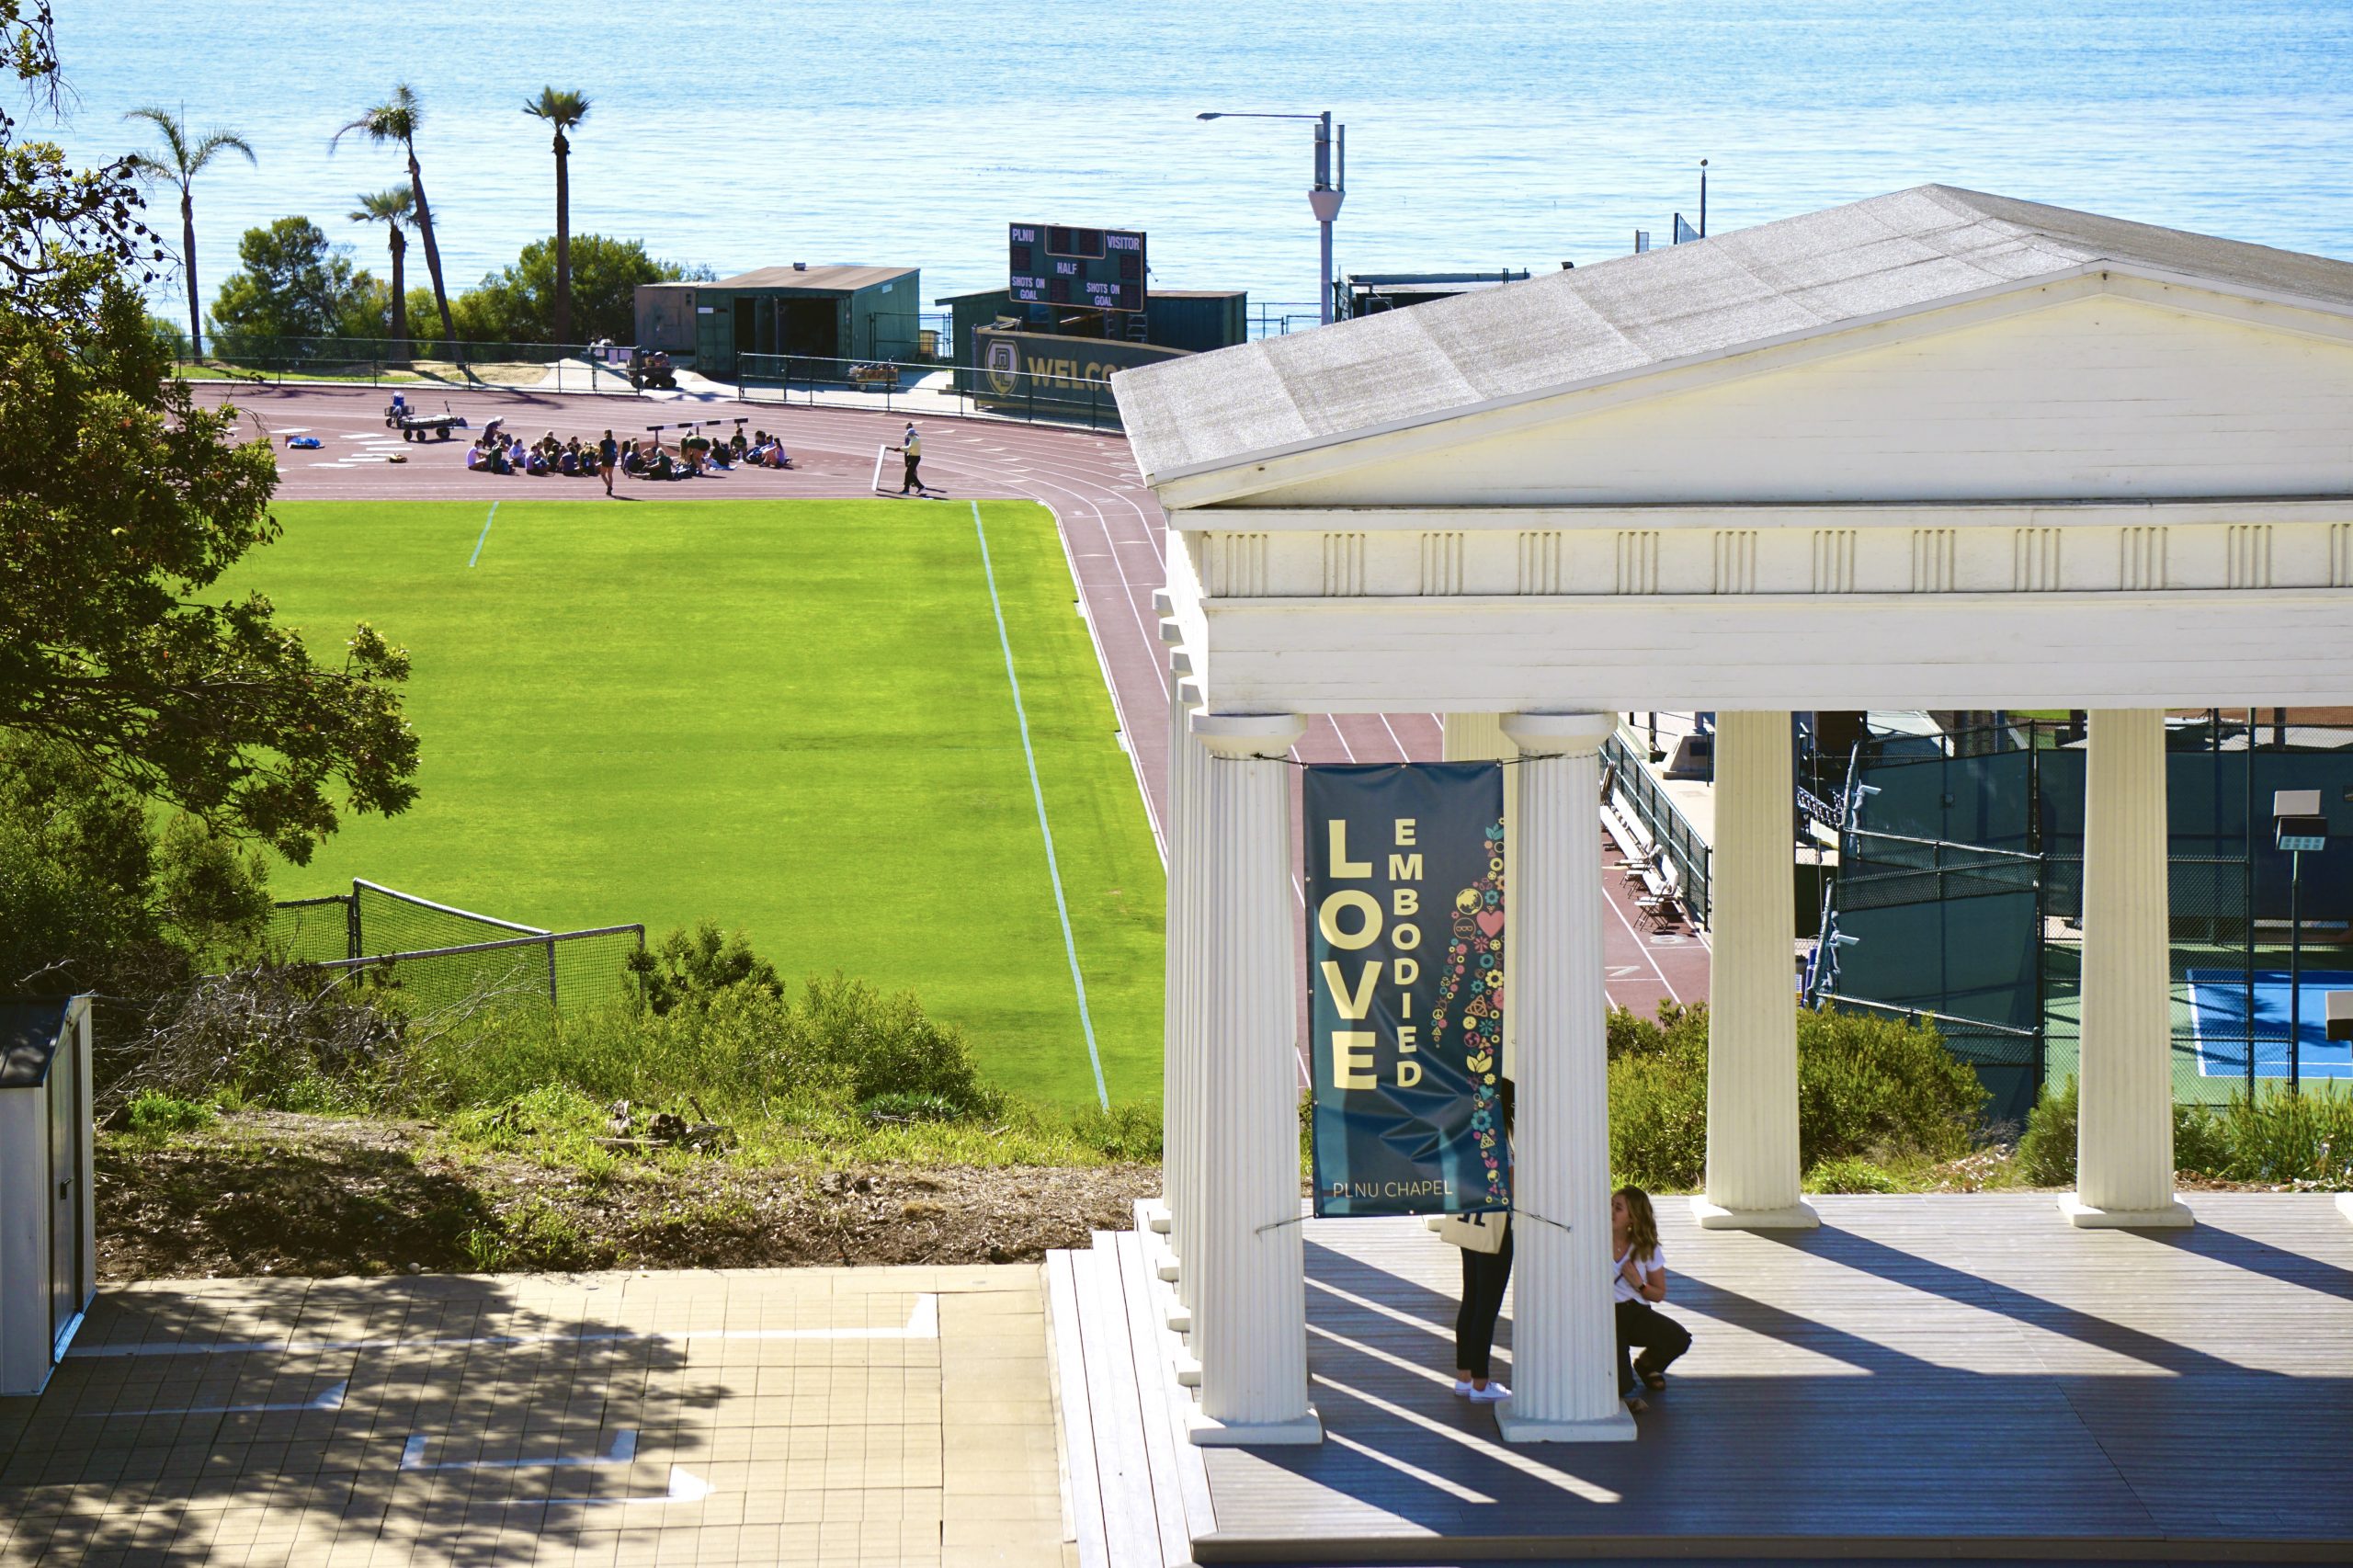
x,y
1654,1380
1636,1405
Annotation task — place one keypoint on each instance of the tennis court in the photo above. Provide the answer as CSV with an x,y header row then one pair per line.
x,y
2219,1003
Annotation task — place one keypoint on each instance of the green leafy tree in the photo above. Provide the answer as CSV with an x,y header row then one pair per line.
x,y
123,502
397,120
184,157
395,209
293,284
563,112
96,894
516,304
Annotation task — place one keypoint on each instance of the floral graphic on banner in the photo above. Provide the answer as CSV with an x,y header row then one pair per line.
x,y
1471,992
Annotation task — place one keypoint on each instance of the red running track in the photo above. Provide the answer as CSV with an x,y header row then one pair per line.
x,y
1111,527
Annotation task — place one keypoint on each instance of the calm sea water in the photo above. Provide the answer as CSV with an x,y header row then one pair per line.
x,y
1510,132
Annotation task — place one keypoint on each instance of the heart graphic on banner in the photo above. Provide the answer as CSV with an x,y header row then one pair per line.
x,y
1491,921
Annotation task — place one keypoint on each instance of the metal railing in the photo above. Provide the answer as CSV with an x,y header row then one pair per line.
x,y
414,361
1656,814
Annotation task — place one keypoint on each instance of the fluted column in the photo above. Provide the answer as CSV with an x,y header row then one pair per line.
x,y
1176,959
2124,1127
1479,737
1564,1377
1189,763
1243,1257
1753,1172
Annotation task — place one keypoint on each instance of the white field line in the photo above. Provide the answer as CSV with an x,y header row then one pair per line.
x,y
1045,830
923,1323
485,534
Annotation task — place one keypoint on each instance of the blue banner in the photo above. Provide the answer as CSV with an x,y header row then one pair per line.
x,y
1405,982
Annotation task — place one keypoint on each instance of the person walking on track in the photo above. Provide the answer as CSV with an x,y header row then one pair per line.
x,y
910,447
609,453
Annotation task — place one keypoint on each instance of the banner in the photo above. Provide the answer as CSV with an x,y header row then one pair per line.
x,y
1405,982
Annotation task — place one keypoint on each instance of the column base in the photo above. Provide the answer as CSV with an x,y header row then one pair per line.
x,y
1208,1432
1158,1221
1716,1217
2345,1204
1188,1371
1180,1320
1616,1427
1166,1271
2175,1215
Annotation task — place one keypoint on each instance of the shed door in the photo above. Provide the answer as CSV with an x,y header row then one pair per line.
x,y
64,1091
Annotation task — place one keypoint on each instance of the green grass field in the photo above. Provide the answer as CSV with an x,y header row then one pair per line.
x,y
791,717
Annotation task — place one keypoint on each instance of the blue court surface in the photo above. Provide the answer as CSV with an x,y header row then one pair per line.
x,y
2218,1011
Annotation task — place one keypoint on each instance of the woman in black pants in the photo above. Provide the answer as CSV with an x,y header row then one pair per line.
x,y
1484,1277
1640,1280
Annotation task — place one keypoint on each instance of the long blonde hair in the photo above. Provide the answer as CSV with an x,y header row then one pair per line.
x,y
1642,1224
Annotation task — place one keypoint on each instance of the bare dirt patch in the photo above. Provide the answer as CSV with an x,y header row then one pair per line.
x,y
270,1193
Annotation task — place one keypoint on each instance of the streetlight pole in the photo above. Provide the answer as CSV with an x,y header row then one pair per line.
x,y
1324,199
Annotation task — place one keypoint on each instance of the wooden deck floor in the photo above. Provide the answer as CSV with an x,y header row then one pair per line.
x,y
1948,1377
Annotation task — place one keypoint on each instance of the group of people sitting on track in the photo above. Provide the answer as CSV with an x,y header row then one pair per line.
x,y
501,453
495,453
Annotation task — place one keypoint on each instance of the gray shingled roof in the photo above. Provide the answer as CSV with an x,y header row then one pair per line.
x,y
1714,296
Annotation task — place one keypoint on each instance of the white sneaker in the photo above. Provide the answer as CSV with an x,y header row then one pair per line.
x,y
1462,1388
1493,1393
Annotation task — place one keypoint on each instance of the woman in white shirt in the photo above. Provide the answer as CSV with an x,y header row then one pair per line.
x,y
1640,1280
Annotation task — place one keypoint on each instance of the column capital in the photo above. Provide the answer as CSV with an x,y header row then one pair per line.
x,y
1180,662
1162,605
1238,737
1171,633
1189,693
1559,734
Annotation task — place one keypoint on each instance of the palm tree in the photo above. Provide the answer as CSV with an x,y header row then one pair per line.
x,y
184,158
562,110
398,118
395,208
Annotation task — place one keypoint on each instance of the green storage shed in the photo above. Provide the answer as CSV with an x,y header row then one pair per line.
x,y
808,313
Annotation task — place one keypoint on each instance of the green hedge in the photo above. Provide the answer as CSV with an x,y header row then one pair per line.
x,y
2273,1136
1868,1088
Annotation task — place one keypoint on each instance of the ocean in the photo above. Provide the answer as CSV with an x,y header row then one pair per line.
x,y
1513,133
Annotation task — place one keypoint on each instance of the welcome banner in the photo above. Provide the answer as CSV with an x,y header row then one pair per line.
x,y
1406,977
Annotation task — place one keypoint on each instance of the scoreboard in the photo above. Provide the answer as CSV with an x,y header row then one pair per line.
x,y
1097,269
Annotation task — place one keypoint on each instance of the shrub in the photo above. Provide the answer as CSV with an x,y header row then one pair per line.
x,y
691,969
2273,1136
1127,1133
157,1116
1869,1084
1850,1174
1658,1113
2047,1148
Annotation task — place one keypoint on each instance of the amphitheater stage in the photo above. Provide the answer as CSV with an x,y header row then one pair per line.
x,y
1952,1377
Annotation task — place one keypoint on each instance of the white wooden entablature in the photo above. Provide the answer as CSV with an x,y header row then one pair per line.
x,y
2105,490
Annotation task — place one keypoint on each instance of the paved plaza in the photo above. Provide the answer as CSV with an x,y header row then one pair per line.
x,y
873,1416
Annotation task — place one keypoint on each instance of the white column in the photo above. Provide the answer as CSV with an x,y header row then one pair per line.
x,y
1189,763
1564,1343
1753,1172
1479,737
2124,1127
1174,1169
1244,1256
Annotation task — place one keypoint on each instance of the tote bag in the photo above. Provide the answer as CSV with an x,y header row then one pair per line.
x,y
1472,1233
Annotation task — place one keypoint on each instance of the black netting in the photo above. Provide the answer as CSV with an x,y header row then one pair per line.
x,y
310,930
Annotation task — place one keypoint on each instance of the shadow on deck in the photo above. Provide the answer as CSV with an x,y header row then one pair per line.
x,y
1941,1377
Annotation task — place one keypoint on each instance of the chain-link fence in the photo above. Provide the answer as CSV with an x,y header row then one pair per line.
x,y
424,365
438,957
